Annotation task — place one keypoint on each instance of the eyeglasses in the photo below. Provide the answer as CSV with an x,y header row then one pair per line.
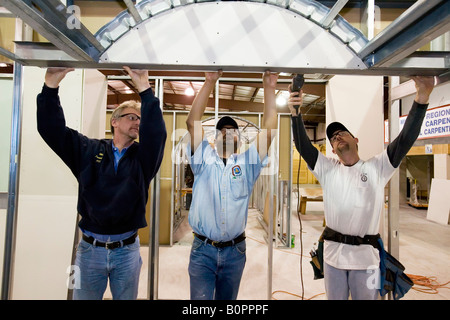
x,y
338,133
131,116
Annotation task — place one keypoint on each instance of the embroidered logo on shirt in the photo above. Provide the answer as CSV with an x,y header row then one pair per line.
x,y
236,171
363,177
99,157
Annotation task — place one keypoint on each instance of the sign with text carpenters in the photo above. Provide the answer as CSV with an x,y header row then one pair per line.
x,y
436,124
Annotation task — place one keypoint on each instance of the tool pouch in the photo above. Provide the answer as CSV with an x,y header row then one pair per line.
x,y
317,260
392,278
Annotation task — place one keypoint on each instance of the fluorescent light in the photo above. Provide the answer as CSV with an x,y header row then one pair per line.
x,y
281,101
189,91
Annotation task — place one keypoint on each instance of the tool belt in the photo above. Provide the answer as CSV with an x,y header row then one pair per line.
x,y
221,244
330,234
392,276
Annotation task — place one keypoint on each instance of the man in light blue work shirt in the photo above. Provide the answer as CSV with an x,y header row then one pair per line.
x,y
223,183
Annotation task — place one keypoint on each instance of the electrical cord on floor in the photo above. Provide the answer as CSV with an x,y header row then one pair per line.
x,y
295,295
283,291
301,227
427,284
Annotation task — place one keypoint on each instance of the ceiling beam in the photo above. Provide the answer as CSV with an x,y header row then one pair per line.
x,y
10,55
317,89
423,59
48,55
415,28
52,20
188,100
402,22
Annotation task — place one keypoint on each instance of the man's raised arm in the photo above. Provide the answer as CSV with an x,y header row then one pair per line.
x,y
269,121
198,108
304,146
152,129
398,148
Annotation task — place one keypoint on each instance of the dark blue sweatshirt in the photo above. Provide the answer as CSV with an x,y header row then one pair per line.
x,y
109,202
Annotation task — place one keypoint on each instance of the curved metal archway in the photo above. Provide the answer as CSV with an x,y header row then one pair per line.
x,y
233,35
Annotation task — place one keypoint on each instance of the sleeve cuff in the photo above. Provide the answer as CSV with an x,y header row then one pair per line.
x,y
146,92
48,90
420,105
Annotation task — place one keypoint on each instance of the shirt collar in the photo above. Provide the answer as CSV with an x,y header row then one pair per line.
x,y
231,159
232,156
115,149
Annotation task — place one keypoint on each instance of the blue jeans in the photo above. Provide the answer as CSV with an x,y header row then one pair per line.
x,y
215,273
96,265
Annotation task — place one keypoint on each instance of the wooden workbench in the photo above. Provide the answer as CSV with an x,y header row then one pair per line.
x,y
309,194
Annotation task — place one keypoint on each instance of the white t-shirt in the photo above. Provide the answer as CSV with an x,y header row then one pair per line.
x,y
353,198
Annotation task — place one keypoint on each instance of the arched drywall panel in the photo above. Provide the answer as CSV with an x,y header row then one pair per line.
x,y
243,35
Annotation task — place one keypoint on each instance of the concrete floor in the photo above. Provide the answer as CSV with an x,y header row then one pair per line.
x,y
424,251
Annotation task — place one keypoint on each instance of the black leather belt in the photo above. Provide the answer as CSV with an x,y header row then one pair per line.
x,y
221,244
110,245
330,234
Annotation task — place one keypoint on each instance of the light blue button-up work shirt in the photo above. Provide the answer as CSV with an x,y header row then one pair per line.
x,y
221,193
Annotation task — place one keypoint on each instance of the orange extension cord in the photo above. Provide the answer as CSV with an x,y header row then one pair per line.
x,y
428,285
293,294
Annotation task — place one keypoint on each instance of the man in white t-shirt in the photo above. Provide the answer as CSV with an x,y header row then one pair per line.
x,y
353,196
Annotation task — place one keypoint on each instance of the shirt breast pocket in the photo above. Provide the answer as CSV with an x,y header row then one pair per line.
x,y
362,191
238,186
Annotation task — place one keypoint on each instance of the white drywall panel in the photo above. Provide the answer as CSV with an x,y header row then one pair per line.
x,y
439,203
357,102
47,198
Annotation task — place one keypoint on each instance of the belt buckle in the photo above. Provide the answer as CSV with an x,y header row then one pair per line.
x,y
215,243
344,239
110,245
348,240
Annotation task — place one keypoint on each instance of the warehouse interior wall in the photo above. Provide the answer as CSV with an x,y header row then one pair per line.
x,y
48,191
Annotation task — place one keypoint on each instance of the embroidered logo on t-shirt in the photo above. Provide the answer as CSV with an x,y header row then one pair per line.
x,y
236,171
363,177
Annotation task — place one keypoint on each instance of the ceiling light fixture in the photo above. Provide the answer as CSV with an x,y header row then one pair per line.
x,y
189,91
282,99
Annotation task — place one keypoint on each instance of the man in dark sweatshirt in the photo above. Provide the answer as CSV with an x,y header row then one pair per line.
x,y
113,177
353,196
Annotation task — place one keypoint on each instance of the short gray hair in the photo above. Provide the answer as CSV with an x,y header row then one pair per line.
x,y
119,110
